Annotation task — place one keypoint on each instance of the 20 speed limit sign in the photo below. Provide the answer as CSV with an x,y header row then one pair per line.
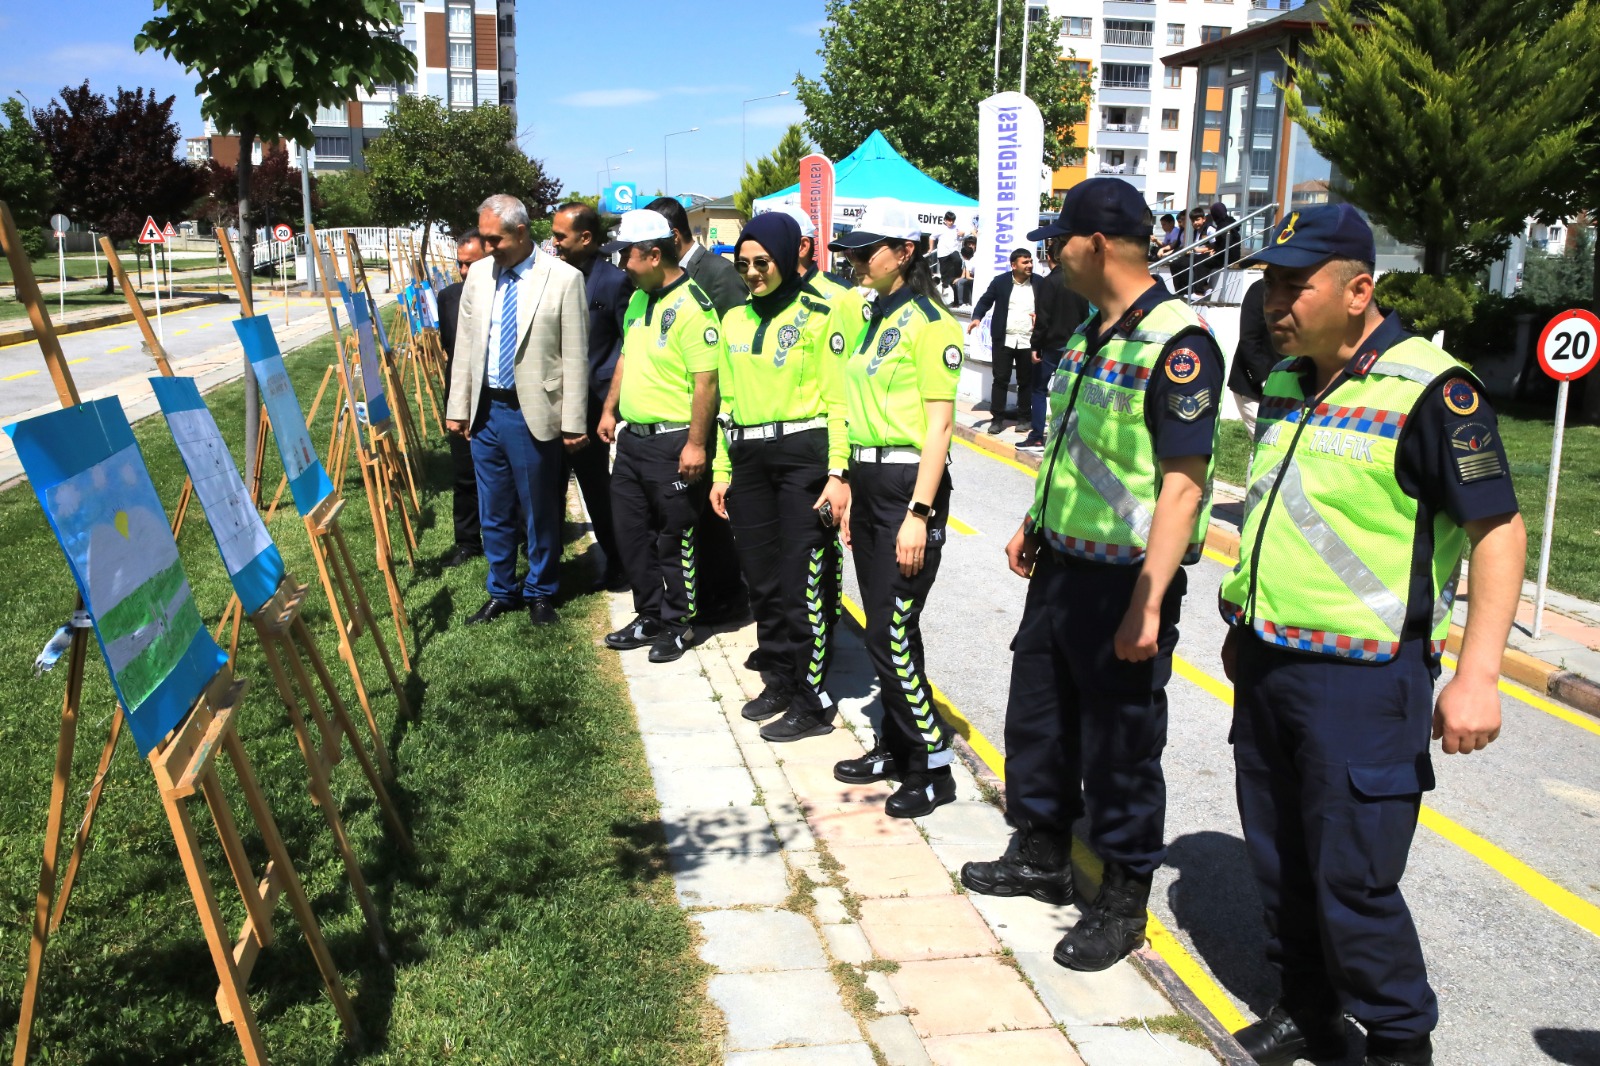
x,y
282,233
1569,347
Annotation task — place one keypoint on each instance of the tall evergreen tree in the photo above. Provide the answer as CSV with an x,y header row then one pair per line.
x,y
26,183
1448,119
772,172
916,69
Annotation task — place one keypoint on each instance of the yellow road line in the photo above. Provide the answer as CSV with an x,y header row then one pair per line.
x,y
24,374
997,458
1217,557
75,362
180,333
115,325
959,526
118,348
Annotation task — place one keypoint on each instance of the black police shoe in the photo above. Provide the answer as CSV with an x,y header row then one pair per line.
x,y
639,633
796,724
759,661
875,765
494,609
670,646
1113,925
1417,1051
463,554
541,612
1279,1039
613,580
771,701
921,793
1034,864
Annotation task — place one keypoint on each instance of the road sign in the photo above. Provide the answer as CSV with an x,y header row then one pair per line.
x,y
169,232
1569,347
59,222
283,233
151,234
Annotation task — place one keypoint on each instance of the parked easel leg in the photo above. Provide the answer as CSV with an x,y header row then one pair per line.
x,y
86,827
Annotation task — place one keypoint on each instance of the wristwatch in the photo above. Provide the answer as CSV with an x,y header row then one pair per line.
x,y
921,510
842,475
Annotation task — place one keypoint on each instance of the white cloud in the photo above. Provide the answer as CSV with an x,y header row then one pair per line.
x,y
609,98
776,114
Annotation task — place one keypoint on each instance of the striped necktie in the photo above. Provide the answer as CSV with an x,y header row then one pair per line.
x,y
506,371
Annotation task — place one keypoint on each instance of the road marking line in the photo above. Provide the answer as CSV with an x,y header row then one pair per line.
x,y
180,333
1171,950
959,526
114,325
24,374
1218,557
118,348
997,458
75,362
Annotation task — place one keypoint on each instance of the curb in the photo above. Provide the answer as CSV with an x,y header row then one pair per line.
x,y
115,318
1547,679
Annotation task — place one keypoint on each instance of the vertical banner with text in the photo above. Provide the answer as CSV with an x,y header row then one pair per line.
x,y
816,200
1010,158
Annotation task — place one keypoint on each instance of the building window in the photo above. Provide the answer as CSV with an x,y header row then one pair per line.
x,y
460,20
408,12
1122,119
460,55
1174,79
1174,33
1169,118
337,115
1164,200
1169,162
410,41
1213,33
508,26
1136,34
375,114
1036,12
460,90
1080,67
1077,27
1124,76
333,148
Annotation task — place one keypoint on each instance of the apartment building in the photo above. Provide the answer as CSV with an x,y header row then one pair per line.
x,y
1140,123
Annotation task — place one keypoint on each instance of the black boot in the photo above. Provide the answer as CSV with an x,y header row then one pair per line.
x,y
1112,927
920,793
875,765
1280,1038
796,724
1418,1051
1034,864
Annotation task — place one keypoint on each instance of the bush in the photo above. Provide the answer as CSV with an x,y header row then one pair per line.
x,y
1427,304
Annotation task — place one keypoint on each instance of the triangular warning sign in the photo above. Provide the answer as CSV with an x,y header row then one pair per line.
x,y
169,232
151,234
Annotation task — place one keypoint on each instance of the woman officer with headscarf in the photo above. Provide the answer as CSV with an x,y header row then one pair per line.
x,y
781,480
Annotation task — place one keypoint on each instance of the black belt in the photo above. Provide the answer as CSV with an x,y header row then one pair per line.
x,y
505,396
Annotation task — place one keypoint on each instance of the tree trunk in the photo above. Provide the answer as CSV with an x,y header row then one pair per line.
x,y
1436,258
247,267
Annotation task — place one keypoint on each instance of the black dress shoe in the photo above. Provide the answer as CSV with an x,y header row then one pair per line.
x,y
1418,1051
921,793
797,724
462,555
759,662
875,765
541,612
639,633
1278,1039
1034,864
771,701
1113,925
670,646
494,609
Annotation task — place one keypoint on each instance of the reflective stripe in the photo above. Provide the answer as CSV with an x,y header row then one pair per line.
x,y
650,429
1261,487
862,454
1403,370
1114,492
1447,598
1332,550
1149,336
772,430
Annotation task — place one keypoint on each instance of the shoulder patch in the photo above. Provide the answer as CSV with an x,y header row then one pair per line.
x,y
1182,366
1460,397
1472,446
710,335
700,296
930,308
819,304
1188,407
836,344
952,356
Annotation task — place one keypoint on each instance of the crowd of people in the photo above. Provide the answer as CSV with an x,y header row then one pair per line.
x,y
767,418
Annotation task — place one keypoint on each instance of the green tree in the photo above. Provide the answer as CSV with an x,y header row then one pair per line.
x,y
346,199
772,172
436,164
1448,119
262,69
26,183
1565,280
916,69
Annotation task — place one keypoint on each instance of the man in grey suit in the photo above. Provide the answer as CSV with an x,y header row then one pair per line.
x,y
519,394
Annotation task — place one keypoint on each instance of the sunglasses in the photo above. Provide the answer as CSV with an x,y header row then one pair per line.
x,y
864,255
761,265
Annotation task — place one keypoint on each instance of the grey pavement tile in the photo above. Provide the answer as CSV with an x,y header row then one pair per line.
x,y
888,1002
1103,998
769,1010
1100,1045
967,822
830,906
857,1054
847,943
692,751
730,830
681,716
897,1039
704,786
656,688
751,941
725,879
1022,923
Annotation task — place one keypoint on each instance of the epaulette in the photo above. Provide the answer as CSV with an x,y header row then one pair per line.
x,y
819,304
930,308
700,297
838,280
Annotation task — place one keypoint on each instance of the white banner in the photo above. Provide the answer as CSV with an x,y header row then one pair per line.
x,y
1010,162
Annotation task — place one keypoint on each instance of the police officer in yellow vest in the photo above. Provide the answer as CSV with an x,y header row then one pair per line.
x,y
1377,461
1120,505
853,310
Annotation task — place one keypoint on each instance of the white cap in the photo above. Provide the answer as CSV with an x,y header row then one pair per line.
x,y
637,227
883,220
794,211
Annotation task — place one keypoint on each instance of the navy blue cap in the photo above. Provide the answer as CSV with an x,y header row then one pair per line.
x,y
1308,237
1108,206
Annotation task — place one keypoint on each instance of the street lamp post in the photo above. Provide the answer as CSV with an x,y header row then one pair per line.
x,y
609,168
666,182
999,10
743,161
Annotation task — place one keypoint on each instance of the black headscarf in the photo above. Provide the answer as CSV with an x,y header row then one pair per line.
x,y
780,236
1219,215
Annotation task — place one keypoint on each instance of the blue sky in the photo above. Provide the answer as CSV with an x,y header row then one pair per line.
x,y
589,85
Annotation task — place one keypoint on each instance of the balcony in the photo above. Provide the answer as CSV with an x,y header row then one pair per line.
x,y
1123,135
1137,39
1123,92
1124,9
1132,173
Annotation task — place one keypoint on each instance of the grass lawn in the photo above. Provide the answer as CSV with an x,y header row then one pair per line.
x,y
11,307
537,923
1526,429
48,269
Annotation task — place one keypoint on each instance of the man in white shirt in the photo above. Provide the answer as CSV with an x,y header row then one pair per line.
x,y
947,250
1012,331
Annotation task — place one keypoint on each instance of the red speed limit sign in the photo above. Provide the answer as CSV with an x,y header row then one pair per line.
x,y
1570,345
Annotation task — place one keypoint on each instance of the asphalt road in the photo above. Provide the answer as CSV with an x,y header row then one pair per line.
x,y
1518,983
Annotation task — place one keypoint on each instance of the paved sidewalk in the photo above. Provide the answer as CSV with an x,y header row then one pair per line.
x,y
836,931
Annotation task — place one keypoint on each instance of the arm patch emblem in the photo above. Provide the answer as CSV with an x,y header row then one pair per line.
x,y
1472,445
836,344
1460,397
952,357
710,335
1183,366
1189,407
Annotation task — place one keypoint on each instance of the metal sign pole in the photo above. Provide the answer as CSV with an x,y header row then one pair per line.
x,y
61,261
160,329
1550,508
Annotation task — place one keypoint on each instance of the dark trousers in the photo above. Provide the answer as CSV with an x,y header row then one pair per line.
x,y
722,589
656,515
1332,760
1045,369
1007,360
464,494
790,559
520,495
912,730
591,465
1085,729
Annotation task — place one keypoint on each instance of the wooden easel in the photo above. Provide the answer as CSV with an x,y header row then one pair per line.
x,y
183,764
395,374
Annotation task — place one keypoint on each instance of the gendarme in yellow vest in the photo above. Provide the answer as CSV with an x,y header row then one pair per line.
x,y
1325,554
1098,494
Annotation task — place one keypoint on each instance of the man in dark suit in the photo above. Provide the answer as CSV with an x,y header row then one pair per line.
x,y
576,231
1014,297
469,535
1061,311
724,597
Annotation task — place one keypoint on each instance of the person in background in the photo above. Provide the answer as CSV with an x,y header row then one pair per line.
x,y
1171,237
1013,297
1061,312
576,233
464,483
947,251
1254,359
963,285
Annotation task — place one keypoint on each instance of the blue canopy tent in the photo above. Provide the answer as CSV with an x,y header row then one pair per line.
x,y
873,171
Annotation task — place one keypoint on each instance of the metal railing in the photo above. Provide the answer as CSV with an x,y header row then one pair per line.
x,y
1197,272
1109,82
1131,37
1124,127
1135,170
